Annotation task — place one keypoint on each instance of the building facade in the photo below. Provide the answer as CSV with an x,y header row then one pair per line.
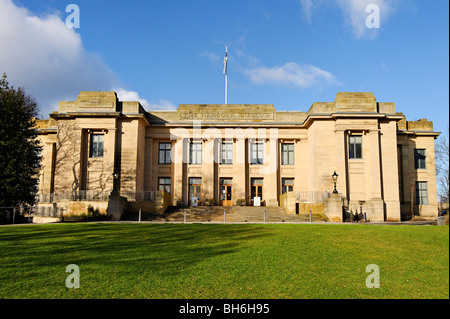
x,y
234,154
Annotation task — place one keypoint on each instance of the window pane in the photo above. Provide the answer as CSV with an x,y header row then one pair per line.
x,y
422,193
420,158
358,153
355,147
96,145
291,158
257,181
100,149
351,151
94,150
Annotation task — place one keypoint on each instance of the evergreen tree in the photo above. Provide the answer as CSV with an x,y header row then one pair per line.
x,y
19,147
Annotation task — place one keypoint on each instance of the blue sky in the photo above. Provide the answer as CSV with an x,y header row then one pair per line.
x,y
289,53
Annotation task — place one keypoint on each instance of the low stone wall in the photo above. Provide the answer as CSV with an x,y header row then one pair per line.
x,y
77,207
290,204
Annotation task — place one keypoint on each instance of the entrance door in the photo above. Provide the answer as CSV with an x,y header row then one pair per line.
x,y
257,189
195,190
226,191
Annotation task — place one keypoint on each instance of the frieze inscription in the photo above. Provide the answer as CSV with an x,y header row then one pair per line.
x,y
225,116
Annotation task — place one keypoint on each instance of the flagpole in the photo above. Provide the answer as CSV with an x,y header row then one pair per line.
x,y
225,70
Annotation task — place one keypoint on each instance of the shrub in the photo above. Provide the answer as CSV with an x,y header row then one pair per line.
x,y
209,202
91,215
241,202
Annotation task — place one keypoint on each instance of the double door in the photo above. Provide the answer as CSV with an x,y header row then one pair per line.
x,y
257,191
226,191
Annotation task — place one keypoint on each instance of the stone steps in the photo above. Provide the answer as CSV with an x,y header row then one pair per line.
x,y
232,214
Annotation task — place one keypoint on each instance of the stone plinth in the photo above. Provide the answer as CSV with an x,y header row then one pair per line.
x,y
116,206
334,208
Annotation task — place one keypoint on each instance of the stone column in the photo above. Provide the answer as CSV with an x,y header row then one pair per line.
x,y
341,159
178,157
375,173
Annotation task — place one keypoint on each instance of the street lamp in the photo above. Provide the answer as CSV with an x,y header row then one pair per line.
x,y
115,180
335,177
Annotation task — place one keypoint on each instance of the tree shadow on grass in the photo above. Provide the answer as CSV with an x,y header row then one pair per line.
x,y
162,248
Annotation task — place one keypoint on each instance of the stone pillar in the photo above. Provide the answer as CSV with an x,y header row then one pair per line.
x,y
177,164
341,158
391,195
334,208
116,206
208,169
375,173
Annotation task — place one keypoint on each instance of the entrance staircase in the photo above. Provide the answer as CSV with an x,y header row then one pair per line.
x,y
235,214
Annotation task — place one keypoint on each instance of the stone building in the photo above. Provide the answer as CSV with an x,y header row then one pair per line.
x,y
234,154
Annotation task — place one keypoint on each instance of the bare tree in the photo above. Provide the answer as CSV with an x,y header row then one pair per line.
x,y
442,165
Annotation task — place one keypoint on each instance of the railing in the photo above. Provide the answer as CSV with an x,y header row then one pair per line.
x,y
94,196
48,211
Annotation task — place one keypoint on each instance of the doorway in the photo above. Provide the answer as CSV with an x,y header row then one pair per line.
x,y
226,191
195,191
257,190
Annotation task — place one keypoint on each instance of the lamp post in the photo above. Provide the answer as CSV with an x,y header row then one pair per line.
x,y
335,177
116,178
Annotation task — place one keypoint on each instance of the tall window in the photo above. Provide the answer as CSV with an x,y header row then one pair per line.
x,y
164,184
226,154
421,193
165,150
257,153
96,146
420,158
287,185
195,153
287,154
355,146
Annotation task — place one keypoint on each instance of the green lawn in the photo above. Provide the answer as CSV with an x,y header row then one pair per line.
x,y
223,261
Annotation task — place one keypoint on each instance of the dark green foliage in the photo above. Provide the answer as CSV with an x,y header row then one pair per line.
x,y
19,147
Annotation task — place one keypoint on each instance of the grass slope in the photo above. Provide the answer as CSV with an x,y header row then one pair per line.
x,y
223,261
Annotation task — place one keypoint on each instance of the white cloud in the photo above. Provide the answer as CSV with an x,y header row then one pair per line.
x,y
307,9
211,56
161,105
48,59
292,74
125,95
354,13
